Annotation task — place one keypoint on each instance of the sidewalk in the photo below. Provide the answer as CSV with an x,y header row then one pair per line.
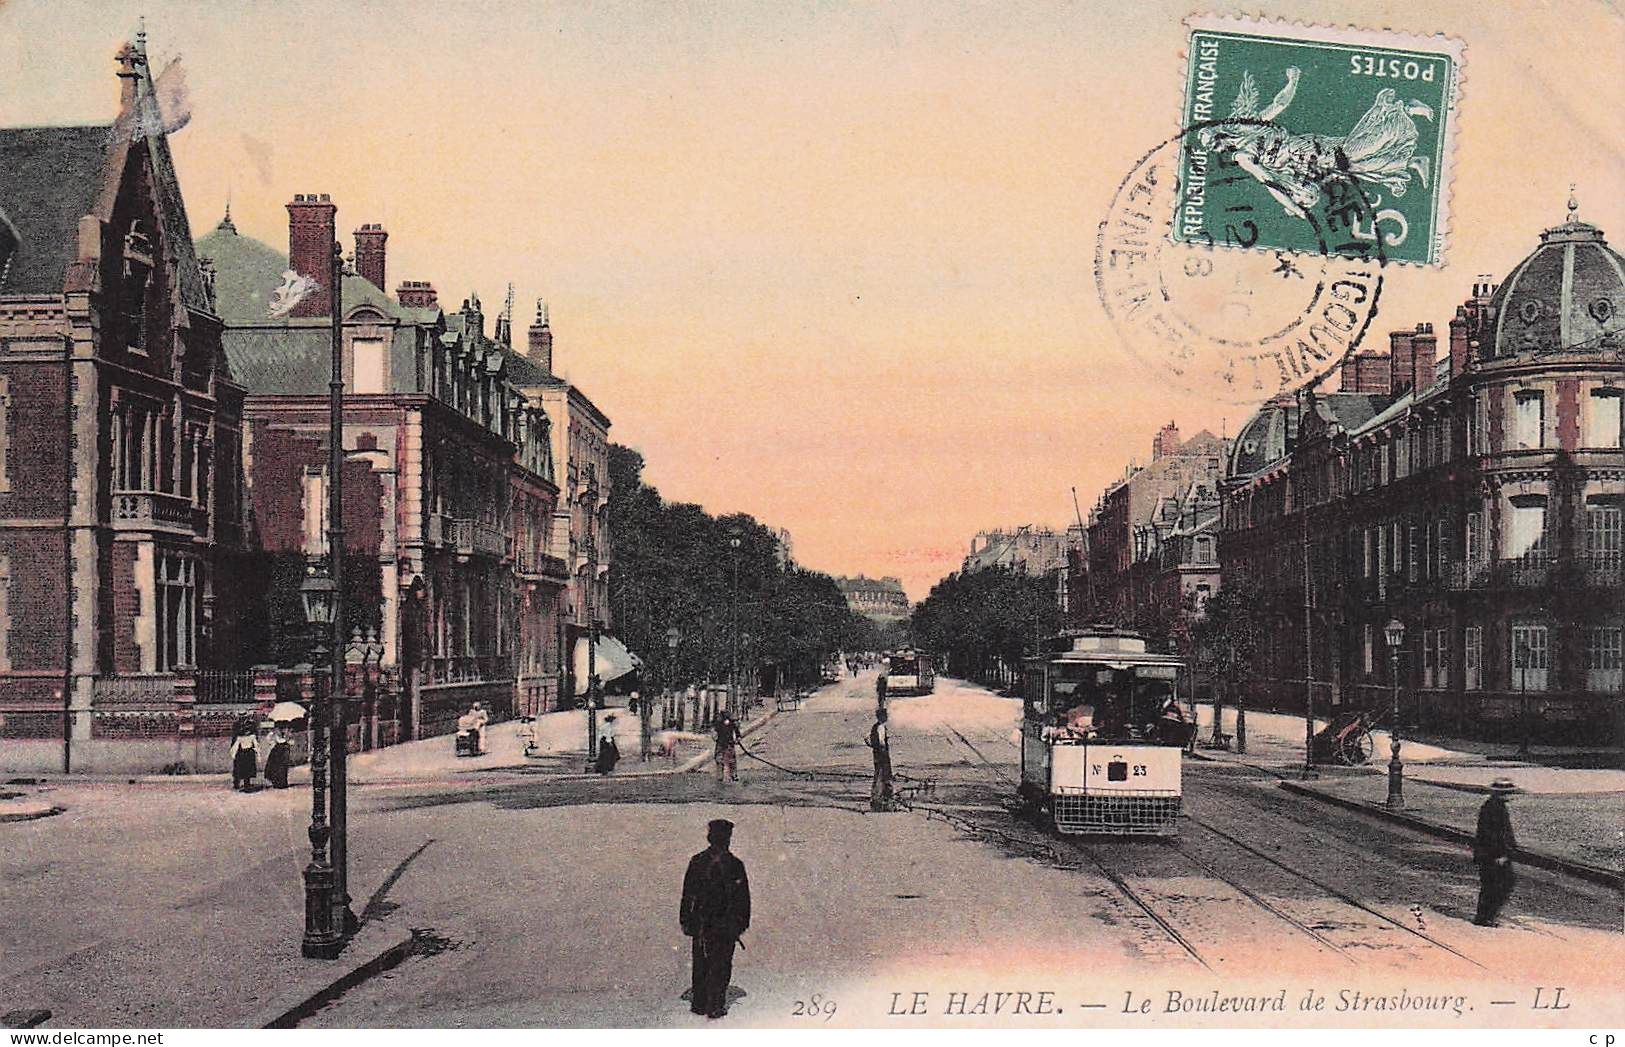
x,y
1568,815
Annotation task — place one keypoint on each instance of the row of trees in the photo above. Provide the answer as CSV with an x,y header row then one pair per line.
x,y
674,568
984,622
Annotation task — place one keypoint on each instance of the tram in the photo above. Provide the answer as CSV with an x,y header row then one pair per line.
x,y
1102,735
909,672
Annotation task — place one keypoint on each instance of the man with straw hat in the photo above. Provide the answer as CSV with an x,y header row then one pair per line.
x,y
1492,850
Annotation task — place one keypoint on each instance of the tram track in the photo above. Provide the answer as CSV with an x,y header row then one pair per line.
x,y
1165,921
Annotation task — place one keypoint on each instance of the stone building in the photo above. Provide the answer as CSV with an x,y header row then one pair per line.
x,y
880,599
1026,549
120,489
451,579
580,521
1474,495
1150,544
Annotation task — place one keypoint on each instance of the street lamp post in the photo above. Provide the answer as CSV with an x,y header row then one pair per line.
x,y
338,700
1395,635
1520,655
734,541
322,939
673,638
592,641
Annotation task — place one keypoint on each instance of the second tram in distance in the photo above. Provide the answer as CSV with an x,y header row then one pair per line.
x,y
909,672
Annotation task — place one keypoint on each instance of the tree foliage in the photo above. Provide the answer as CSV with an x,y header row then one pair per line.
x,y
981,620
673,567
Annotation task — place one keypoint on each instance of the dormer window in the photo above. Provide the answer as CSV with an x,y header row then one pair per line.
x,y
137,279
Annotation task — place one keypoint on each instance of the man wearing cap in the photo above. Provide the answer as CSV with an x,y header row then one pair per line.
x,y
714,913
1492,850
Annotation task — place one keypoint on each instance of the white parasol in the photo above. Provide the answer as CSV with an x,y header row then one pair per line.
x,y
285,712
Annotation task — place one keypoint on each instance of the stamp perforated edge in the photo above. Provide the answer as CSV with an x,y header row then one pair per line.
x,y
1392,39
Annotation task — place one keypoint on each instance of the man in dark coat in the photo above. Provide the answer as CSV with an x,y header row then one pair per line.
x,y
1492,850
714,913
880,791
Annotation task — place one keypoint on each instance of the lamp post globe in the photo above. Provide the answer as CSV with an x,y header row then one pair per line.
x,y
1394,633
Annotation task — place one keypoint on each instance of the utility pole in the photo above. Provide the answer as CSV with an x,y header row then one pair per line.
x,y
1308,657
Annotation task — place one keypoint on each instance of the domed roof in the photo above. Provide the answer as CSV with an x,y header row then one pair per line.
x,y
1567,296
1265,437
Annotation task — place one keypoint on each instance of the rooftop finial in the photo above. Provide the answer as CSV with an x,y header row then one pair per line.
x,y
1574,205
541,312
141,34
226,225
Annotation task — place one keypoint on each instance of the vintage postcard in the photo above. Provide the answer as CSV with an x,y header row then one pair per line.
x,y
1028,517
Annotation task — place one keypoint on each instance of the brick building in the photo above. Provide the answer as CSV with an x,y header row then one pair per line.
x,y
120,486
1474,495
450,580
1150,543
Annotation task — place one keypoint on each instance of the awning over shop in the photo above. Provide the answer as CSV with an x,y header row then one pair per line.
x,y
614,661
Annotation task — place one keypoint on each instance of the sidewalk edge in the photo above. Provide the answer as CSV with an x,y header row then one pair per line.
x,y
280,1017
1540,859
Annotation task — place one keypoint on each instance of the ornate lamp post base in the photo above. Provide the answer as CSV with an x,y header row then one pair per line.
x,y
323,941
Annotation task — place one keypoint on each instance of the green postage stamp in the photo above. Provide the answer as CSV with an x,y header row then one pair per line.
x,y
1281,120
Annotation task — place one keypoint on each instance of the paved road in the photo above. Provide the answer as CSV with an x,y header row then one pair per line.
x,y
555,902
855,906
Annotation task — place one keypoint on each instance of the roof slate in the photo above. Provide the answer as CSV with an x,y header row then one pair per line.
x,y
50,177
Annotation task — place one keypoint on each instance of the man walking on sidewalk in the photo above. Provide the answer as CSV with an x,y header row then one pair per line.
x,y
715,911
880,793
1492,850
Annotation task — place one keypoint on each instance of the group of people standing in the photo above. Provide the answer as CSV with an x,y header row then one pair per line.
x,y
244,754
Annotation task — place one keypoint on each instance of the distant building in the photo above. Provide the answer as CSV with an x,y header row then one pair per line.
x,y
1149,554
785,552
881,599
1034,551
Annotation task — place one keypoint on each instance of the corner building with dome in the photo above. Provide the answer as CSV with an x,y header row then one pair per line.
x,y
1472,492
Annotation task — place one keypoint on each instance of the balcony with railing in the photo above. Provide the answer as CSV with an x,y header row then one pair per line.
x,y
157,511
472,538
435,529
1524,572
1602,571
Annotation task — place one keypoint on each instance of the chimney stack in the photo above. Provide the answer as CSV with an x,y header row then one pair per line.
x,y
369,253
540,348
1167,441
416,294
310,250
1426,346
1459,353
1401,362
1366,373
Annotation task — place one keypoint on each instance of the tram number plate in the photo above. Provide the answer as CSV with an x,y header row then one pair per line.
x,y
1118,770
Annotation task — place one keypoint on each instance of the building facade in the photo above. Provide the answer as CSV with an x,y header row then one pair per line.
x,y
1474,496
880,599
120,426
1149,552
580,521
450,580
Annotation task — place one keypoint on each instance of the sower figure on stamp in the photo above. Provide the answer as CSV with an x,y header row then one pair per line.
x,y
1492,850
714,913
880,793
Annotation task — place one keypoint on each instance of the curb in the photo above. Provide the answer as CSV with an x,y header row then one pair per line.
x,y
279,1017
31,816
1550,862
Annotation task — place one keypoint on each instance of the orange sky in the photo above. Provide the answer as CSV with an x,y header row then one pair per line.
x,y
827,264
